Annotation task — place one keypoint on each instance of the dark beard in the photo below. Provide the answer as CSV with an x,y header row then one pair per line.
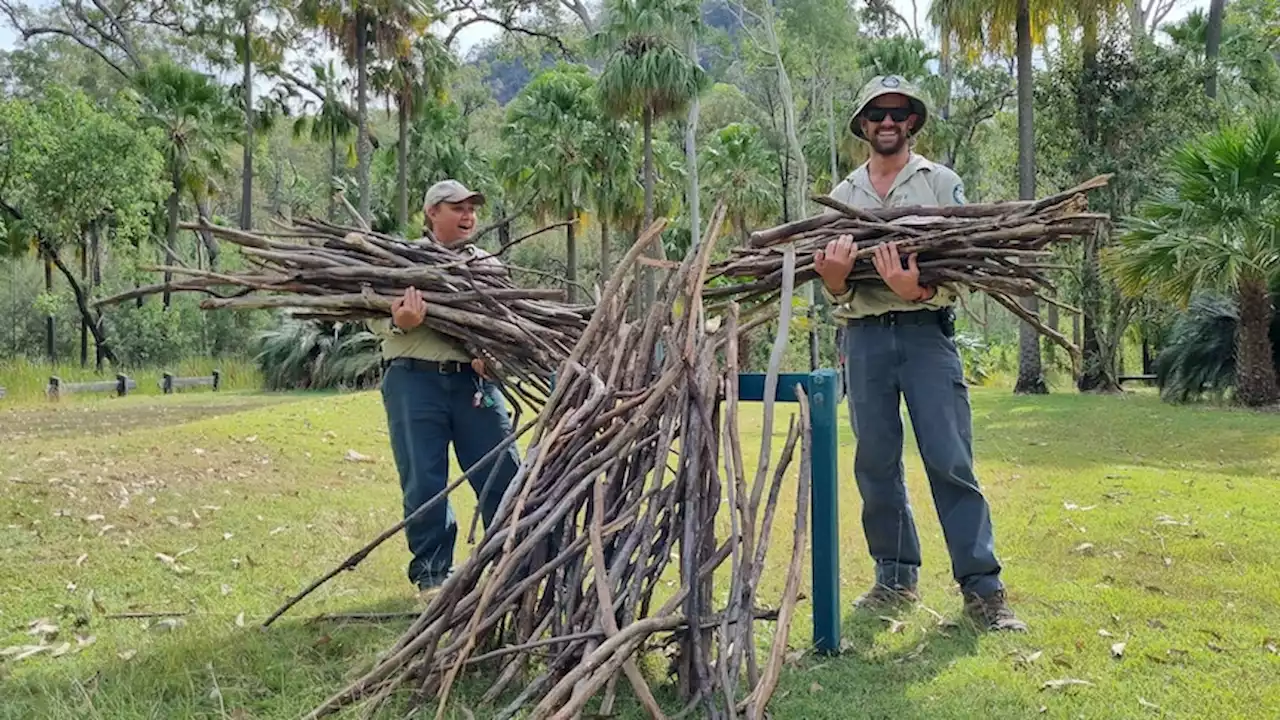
x,y
892,149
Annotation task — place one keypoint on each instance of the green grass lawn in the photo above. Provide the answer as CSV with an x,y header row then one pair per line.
x,y
1124,525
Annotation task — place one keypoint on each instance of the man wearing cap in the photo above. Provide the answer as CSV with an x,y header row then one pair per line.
x,y
897,343
435,393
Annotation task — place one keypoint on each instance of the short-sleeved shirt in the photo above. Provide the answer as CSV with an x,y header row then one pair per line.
x,y
920,182
423,343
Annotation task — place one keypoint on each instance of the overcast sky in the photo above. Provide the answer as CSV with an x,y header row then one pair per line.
x,y
479,32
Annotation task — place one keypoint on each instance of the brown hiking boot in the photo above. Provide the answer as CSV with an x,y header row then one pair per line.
x,y
883,596
992,613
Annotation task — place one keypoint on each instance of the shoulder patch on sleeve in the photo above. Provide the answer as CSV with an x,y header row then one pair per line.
x,y
957,193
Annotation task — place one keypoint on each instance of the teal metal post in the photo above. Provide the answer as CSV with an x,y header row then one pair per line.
x,y
824,402
823,388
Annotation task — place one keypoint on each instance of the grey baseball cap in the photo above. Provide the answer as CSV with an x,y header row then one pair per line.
x,y
450,191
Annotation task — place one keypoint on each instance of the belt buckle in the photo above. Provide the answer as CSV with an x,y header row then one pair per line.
x,y
442,367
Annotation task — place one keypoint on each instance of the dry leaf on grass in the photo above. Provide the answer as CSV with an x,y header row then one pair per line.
x,y
1148,705
1063,683
167,624
240,618
42,627
80,560
1270,645
353,456
1117,650
1084,548
814,688
226,589
61,650
1104,633
127,655
22,652
895,626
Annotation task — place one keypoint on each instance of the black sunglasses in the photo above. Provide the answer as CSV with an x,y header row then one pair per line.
x,y
877,114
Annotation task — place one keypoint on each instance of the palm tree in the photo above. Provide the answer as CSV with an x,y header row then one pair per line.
x,y
618,192
410,78
330,124
737,168
1217,226
647,72
198,121
385,26
1002,25
548,135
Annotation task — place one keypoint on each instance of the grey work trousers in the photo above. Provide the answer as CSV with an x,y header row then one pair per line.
x,y
919,362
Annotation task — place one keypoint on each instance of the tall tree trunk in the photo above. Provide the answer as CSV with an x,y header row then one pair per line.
x,y
333,174
1137,24
1096,373
206,238
48,320
831,136
1030,373
84,323
944,59
1212,39
246,187
571,254
1255,363
171,232
95,250
649,285
1049,348
691,157
82,301
402,166
605,261
364,146
796,150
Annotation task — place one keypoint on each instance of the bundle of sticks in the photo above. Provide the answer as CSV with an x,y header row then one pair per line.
x,y
325,271
1001,249
606,542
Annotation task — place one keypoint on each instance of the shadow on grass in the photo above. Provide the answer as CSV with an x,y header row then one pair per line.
x,y
209,668
875,673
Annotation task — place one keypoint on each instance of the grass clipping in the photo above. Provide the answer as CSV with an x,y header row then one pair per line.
x,y
566,590
1002,249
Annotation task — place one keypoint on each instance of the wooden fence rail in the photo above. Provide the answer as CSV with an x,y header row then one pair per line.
x,y
123,384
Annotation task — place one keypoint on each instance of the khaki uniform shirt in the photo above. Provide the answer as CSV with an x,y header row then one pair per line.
x,y
921,182
423,343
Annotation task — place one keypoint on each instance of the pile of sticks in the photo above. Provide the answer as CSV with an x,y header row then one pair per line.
x,y
1001,249
332,272
605,545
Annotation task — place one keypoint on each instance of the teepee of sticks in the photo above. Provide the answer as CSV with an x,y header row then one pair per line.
x,y
607,542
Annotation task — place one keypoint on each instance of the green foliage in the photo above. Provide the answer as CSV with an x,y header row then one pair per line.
x,y
1218,220
71,163
549,140
306,355
1199,354
736,167
646,66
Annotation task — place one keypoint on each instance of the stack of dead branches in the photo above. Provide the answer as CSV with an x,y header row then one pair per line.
x,y
1000,249
332,272
606,543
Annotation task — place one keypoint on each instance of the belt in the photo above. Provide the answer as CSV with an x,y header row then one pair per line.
x,y
446,367
909,317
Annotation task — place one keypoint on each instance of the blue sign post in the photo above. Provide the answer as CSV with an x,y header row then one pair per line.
x,y
823,388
